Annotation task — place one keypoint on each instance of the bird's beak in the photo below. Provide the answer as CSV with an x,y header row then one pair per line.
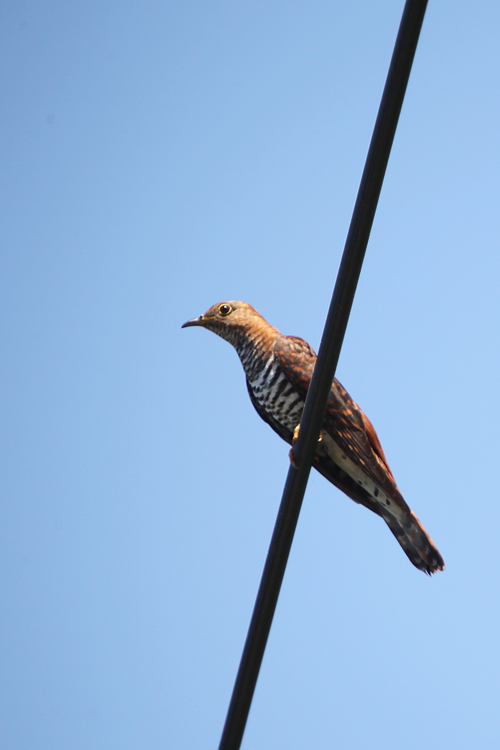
x,y
199,321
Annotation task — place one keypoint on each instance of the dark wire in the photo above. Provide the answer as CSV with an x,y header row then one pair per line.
x,y
328,355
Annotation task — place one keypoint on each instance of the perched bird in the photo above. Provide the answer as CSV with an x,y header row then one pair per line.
x,y
278,370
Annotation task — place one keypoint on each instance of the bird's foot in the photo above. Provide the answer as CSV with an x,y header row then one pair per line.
x,y
294,440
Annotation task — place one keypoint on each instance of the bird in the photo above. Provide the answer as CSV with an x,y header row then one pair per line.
x,y
278,372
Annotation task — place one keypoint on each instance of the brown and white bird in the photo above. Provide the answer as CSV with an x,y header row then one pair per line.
x,y
278,370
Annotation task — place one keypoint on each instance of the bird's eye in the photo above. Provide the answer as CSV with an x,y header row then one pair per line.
x,y
224,309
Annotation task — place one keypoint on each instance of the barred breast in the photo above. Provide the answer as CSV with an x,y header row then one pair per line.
x,y
275,395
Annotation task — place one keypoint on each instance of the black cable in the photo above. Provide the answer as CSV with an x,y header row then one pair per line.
x,y
328,355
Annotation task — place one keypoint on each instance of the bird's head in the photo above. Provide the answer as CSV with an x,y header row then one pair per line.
x,y
237,322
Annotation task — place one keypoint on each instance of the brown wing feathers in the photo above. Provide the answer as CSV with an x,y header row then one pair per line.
x,y
353,432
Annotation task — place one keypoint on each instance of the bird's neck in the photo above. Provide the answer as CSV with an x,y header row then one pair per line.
x,y
255,347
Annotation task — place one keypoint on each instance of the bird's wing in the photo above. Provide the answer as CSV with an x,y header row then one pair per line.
x,y
344,421
351,430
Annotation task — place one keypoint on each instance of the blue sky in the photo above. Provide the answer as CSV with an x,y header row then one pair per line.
x,y
159,158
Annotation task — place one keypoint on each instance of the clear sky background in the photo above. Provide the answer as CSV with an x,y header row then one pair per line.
x,y
159,157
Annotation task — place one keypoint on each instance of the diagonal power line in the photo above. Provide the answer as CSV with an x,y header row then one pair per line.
x,y
328,355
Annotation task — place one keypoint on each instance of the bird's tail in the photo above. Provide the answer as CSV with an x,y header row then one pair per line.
x,y
413,538
415,541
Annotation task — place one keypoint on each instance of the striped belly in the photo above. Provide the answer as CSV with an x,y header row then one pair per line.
x,y
276,396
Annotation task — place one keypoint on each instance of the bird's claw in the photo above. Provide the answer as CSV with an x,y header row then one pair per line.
x,y
294,440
